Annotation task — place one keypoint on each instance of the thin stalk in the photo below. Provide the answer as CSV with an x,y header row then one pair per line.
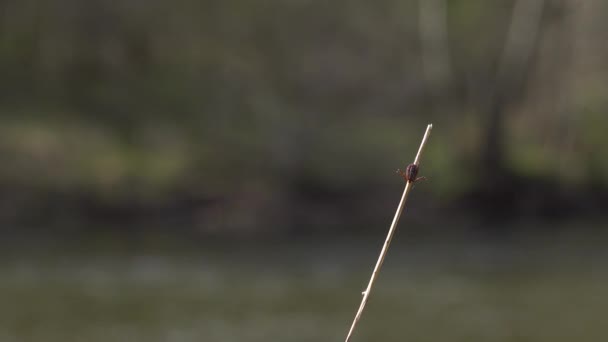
x,y
389,237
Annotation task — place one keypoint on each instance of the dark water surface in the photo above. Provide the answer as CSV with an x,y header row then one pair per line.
x,y
546,288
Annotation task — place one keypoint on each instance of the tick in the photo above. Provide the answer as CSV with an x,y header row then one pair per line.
x,y
410,174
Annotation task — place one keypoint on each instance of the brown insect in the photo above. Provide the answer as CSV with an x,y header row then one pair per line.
x,y
410,174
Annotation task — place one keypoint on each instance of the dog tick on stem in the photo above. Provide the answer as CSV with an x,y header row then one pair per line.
x,y
411,174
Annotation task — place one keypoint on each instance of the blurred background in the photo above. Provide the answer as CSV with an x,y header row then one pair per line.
x,y
225,170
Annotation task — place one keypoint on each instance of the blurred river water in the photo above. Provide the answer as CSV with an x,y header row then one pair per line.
x,y
544,288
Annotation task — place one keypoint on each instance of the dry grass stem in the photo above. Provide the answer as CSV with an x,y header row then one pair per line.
x,y
389,237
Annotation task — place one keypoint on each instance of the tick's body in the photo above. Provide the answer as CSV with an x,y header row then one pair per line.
x,y
411,174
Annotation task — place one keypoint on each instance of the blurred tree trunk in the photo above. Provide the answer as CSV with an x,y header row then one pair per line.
x,y
435,47
510,82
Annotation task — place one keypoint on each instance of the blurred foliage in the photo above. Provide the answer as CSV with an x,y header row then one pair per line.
x,y
148,100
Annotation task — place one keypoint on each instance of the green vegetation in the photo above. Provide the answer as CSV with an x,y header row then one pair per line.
x,y
143,103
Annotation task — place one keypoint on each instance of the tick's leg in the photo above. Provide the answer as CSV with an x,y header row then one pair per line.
x,y
402,174
418,179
